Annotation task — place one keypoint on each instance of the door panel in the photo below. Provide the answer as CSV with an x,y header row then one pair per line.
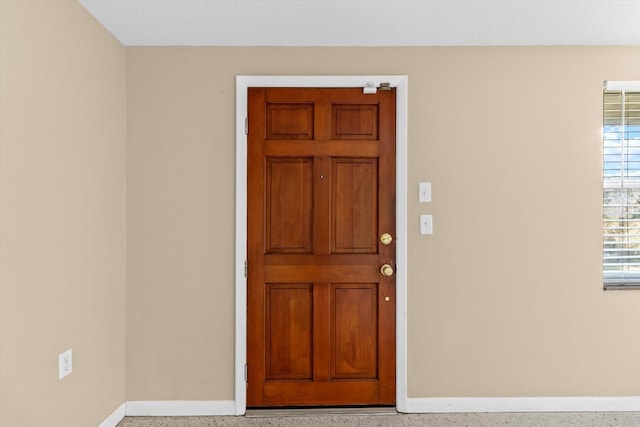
x,y
289,197
289,121
289,309
321,191
354,331
355,202
352,121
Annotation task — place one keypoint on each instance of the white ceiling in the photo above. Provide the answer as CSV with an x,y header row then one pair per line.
x,y
369,22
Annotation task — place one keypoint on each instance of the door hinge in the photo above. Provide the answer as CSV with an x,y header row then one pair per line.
x,y
246,373
246,126
246,269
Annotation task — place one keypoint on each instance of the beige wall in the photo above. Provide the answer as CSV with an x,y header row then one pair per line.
x,y
505,299
62,215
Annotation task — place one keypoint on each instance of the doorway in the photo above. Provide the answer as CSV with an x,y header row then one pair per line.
x,y
294,365
321,249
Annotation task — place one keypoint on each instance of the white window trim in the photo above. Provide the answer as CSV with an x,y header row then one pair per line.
x,y
614,280
626,85
242,84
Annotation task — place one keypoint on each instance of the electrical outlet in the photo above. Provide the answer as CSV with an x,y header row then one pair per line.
x,y
65,364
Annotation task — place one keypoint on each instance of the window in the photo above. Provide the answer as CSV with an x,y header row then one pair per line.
x,y
621,185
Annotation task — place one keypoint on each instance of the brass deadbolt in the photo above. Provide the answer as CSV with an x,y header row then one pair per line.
x,y
386,239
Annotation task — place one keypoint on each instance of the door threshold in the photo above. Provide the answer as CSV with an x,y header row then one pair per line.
x,y
319,412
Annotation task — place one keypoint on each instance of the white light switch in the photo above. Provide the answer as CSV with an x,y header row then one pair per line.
x,y
424,192
426,224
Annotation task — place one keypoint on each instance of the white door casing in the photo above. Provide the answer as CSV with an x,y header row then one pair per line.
x,y
242,83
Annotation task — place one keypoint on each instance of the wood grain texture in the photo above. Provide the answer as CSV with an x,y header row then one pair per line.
x,y
289,310
289,198
354,206
321,189
352,121
289,121
354,331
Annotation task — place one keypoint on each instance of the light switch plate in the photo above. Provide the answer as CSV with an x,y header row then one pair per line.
x,y
424,192
426,224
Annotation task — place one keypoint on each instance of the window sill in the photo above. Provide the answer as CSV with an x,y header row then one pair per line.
x,y
621,286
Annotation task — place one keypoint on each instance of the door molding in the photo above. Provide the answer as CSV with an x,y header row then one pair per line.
x,y
242,84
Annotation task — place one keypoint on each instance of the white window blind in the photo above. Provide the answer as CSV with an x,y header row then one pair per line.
x,y
621,185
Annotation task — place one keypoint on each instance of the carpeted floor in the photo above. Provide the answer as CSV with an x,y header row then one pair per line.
x,y
582,419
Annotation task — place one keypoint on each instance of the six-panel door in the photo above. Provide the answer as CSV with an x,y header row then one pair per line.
x,y
321,192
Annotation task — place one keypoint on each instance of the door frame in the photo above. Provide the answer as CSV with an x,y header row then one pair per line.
x,y
243,82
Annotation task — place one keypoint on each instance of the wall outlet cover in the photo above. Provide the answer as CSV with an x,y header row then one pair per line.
x,y
65,364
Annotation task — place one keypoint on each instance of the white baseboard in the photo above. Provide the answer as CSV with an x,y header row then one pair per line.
x,y
113,419
184,408
522,404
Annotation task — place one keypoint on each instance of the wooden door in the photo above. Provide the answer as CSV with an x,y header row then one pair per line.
x,y
321,193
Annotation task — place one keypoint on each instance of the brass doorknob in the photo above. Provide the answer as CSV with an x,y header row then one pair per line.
x,y
386,270
386,238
